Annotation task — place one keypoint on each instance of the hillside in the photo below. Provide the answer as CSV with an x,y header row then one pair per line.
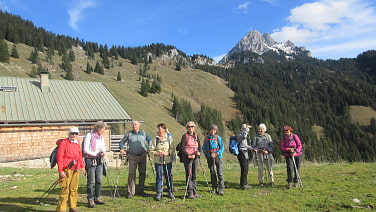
x,y
194,85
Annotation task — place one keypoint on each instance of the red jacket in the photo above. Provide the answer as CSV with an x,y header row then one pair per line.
x,y
68,152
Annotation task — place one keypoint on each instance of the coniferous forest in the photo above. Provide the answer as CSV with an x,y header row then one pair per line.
x,y
307,92
304,92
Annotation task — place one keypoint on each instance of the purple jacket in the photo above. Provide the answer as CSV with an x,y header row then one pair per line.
x,y
291,141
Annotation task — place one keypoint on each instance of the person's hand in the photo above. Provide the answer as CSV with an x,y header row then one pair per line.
x,y
198,153
191,156
255,150
62,174
213,154
122,152
83,171
265,151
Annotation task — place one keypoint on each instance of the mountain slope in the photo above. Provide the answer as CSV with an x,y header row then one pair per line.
x,y
194,85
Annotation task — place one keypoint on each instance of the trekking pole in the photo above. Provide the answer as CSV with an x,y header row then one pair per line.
x,y
109,173
202,168
189,177
51,188
116,191
151,164
169,183
265,157
215,173
297,173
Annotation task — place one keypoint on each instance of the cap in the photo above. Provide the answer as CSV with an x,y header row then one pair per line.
x,y
244,126
74,130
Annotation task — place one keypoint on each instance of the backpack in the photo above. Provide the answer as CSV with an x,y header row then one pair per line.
x,y
179,149
233,145
53,158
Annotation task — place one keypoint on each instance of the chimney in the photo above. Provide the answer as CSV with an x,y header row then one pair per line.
x,y
44,82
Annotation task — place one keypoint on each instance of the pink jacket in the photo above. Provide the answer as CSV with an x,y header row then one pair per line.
x,y
291,141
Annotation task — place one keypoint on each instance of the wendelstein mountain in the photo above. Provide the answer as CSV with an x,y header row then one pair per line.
x,y
274,83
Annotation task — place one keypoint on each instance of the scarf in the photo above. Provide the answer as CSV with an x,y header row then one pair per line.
x,y
93,143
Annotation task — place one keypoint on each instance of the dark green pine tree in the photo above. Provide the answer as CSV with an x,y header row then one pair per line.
x,y
144,88
34,56
118,76
50,53
14,53
106,62
71,56
98,68
89,69
69,75
4,54
33,72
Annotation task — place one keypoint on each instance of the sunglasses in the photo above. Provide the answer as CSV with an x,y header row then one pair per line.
x,y
190,126
74,133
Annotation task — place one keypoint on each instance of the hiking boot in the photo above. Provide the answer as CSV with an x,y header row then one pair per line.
x,y
191,196
99,202
272,184
130,196
245,187
73,210
91,204
213,191
158,196
197,195
261,184
221,192
171,195
289,186
296,184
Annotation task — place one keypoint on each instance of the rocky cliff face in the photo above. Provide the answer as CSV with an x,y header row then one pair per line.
x,y
259,44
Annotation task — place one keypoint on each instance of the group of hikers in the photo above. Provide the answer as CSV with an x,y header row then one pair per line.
x,y
137,145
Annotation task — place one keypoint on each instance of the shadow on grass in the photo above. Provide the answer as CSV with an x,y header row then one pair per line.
x,y
25,204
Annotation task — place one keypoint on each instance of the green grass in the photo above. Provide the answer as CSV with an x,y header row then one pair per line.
x,y
327,187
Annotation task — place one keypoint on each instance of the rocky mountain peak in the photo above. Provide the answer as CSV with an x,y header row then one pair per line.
x,y
259,44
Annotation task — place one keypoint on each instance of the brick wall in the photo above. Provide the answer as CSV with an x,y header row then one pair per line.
x,y
24,143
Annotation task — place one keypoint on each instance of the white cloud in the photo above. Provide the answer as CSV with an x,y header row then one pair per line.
x,y
76,12
330,26
242,8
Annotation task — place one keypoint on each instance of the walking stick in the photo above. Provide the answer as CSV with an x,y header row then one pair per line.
x,y
169,183
297,173
202,168
151,164
215,174
116,190
51,188
109,173
266,157
189,177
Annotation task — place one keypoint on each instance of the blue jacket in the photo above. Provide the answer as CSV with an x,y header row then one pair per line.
x,y
213,144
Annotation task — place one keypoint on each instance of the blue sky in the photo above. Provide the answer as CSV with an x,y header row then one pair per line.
x,y
330,29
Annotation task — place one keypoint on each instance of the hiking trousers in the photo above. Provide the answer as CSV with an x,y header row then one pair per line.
x,y
94,172
267,160
190,166
291,169
69,190
136,161
216,173
243,162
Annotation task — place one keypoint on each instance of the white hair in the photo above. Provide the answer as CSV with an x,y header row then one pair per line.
x,y
262,125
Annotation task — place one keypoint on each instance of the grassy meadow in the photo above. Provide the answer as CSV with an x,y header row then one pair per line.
x,y
327,187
